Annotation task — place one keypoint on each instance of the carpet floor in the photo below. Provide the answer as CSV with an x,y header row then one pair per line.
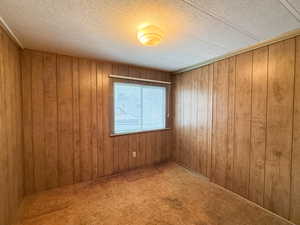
x,y
162,195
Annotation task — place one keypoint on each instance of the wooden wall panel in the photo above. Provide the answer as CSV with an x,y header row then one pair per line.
x,y
50,102
11,125
100,122
198,115
11,155
38,135
279,126
193,119
76,117
85,108
202,118
176,82
253,140
241,162
258,125
192,139
73,143
184,151
209,121
27,123
4,186
220,129
295,193
19,170
229,180
107,142
65,119
94,121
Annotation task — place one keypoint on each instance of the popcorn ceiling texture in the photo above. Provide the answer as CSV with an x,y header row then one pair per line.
x,y
195,30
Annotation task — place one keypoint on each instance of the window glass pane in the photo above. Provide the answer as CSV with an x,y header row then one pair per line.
x,y
138,107
154,107
127,103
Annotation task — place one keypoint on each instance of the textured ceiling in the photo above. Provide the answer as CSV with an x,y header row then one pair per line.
x,y
195,30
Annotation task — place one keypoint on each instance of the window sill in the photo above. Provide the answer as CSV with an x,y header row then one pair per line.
x,y
140,132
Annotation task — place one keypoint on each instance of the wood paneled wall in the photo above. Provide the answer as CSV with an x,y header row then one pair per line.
x,y
192,122
11,160
237,122
66,117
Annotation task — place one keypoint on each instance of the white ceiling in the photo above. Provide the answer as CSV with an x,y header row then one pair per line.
x,y
195,30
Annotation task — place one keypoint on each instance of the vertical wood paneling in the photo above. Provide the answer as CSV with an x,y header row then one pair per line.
x,y
4,178
66,124
242,123
133,147
144,150
193,119
157,148
11,131
27,123
38,135
94,121
50,103
19,174
182,103
9,126
196,114
181,118
207,95
107,142
11,154
100,122
279,126
188,134
76,120
65,120
150,140
231,122
295,193
220,109
85,108
185,152
73,113
258,125
254,109
123,152
116,155
209,119
176,119
202,100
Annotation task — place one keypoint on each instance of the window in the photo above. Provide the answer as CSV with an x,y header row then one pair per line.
x,y
139,107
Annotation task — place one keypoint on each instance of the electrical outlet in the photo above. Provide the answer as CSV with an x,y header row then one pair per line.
x,y
134,154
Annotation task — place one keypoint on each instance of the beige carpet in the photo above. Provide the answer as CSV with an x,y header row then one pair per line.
x,y
163,195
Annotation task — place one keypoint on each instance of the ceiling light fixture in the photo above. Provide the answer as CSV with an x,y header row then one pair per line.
x,y
149,35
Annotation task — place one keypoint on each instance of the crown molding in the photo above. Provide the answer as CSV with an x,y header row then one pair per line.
x,y
282,37
4,25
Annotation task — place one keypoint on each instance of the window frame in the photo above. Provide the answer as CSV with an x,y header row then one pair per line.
x,y
145,83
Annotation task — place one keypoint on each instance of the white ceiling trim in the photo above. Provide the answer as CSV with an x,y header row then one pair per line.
x,y
223,20
10,32
282,37
291,9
